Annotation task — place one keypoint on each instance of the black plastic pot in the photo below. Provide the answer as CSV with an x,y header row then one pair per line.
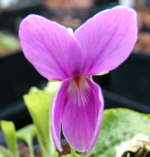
x,y
17,76
106,2
16,112
10,18
114,100
132,78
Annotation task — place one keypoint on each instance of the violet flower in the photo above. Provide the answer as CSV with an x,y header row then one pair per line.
x,y
100,45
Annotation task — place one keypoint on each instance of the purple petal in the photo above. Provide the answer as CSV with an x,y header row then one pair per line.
x,y
57,113
107,39
50,48
81,114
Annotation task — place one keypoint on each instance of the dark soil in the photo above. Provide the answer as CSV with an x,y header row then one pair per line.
x,y
25,153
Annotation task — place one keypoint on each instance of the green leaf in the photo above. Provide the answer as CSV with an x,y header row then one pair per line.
x,y
39,104
9,131
27,134
4,152
8,42
120,125
28,130
71,155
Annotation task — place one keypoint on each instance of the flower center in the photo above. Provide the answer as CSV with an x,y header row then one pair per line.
x,y
77,80
78,83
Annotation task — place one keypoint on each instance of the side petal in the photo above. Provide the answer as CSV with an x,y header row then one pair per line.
x,y
57,114
51,49
82,115
107,39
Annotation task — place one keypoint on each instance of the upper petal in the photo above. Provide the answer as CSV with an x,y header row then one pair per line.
x,y
52,50
82,113
107,39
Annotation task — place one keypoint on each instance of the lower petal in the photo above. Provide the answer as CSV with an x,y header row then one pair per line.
x,y
82,115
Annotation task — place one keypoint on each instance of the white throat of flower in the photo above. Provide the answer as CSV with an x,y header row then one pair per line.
x,y
70,30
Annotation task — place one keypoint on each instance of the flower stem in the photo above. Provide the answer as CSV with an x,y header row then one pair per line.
x,y
52,149
73,153
30,146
